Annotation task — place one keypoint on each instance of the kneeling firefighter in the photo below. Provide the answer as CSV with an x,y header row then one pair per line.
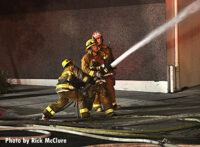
x,y
68,87
91,64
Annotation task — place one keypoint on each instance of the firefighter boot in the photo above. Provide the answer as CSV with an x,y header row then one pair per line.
x,y
48,113
110,113
98,109
115,106
46,117
84,113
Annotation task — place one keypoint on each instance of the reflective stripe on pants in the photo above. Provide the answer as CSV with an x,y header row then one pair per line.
x,y
50,110
84,110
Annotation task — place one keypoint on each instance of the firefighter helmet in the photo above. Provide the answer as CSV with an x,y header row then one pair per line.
x,y
96,35
90,43
66,62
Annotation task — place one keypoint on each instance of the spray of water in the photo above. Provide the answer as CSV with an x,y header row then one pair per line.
x,y
190,9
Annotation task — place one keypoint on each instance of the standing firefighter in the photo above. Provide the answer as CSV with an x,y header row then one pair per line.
x,y
108,59
91,64
68,87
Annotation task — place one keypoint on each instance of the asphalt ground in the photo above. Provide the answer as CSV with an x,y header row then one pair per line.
x,y
137,107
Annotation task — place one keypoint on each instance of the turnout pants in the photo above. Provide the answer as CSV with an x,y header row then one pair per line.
x,y
110,82
100,94
63,99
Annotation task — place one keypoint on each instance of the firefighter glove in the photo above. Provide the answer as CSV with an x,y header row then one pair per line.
x,y
98,74
106,68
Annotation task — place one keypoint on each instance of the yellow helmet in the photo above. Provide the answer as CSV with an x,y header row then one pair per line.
x,y
66,62
90,43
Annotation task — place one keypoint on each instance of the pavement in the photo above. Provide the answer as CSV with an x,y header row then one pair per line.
x,y
156,116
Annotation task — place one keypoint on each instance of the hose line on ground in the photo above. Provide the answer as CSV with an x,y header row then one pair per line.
x,y
78,123
50,128
74,126
45,134
116,132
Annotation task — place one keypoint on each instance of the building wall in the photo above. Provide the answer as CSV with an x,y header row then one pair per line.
x,y
37,35
189,48
188,71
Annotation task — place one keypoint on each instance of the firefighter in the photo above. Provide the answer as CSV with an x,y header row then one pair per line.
x,y
91,64
110,80
68,87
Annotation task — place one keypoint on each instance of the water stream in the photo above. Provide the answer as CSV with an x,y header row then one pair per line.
x,y
187,11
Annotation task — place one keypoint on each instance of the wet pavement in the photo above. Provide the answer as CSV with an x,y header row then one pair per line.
x,y
152,116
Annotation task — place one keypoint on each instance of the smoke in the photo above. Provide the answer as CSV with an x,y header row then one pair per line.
x,y
190,9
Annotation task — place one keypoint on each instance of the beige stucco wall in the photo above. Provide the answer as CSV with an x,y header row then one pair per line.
x,y
187,73
189,48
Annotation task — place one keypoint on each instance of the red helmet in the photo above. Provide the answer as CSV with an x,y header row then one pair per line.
x,y
96,35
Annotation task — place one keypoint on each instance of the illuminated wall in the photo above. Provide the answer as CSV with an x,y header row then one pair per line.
x,y
187,73
189,48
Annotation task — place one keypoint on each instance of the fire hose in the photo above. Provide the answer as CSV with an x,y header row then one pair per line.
x,y
55,126
77,122
88,135
45,134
